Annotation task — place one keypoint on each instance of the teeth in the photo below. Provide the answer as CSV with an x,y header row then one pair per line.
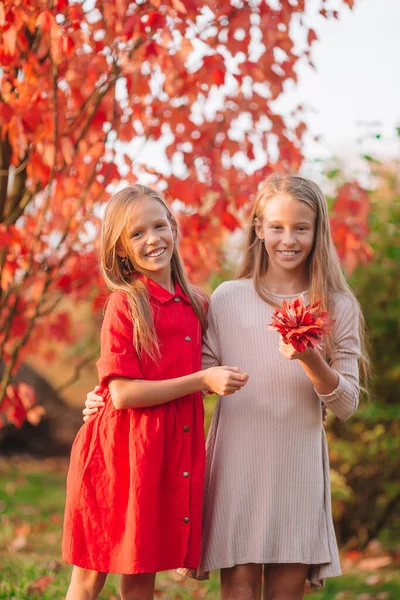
x,y
156,253
287,253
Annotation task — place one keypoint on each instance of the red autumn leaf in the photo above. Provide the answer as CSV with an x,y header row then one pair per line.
x,y
215,67
2,15
45,20
10,40
12,408
155,20
349,225
353,555
40,585
179,6
110,172
352,200
61,4
6,113
67,148
300,325
218,76
230,221
312,36
6,238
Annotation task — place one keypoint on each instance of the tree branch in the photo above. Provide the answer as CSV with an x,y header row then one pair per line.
x,y
387,513
18,191
77,371
5,157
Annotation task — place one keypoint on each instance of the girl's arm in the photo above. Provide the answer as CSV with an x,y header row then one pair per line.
x,y
119,369
336,383
323,377
141,393
211,354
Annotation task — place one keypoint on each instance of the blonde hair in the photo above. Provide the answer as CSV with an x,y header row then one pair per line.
x,y
326,277
120,275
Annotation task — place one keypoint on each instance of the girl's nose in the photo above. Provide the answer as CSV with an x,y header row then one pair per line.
x,y
152,237
289,238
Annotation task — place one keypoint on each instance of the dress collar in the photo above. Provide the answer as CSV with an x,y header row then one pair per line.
x,y
160,293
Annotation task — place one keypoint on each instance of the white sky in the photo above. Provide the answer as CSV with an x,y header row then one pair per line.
x,y
356,82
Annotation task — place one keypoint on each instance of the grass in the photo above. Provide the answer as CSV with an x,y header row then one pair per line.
x,y
31,511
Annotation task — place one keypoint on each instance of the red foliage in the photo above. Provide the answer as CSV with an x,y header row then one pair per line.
x,y
76,79
300,325
349,224
19,405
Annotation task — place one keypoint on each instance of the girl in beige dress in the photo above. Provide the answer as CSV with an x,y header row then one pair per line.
x,y
267,506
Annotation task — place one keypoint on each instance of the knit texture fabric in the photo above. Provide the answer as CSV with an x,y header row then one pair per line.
x,y
267,492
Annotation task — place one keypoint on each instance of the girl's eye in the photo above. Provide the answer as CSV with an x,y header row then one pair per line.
x,y
160,225
302,228
276,227
136,234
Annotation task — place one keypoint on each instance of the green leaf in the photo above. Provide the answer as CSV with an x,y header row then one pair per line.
x,y
370,158
333,173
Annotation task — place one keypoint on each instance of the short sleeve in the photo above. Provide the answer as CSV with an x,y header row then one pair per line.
x,y
118,357
343,401
211,355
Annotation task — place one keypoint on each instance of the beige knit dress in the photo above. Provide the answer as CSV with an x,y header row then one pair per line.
x,y
267,492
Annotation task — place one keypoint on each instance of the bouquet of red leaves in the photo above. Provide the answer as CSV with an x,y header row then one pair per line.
x,y
300,325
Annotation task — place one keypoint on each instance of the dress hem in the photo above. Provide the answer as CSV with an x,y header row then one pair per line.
x,y
134,571
314,582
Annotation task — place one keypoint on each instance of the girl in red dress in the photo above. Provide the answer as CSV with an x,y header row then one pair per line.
x,y
135,483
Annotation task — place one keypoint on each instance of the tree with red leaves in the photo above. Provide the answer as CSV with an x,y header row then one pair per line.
x,y
82,86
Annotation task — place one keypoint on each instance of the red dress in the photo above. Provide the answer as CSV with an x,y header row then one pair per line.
x,y
135,482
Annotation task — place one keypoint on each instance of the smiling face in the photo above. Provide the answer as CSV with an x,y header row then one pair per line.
x,y
287,227
150,239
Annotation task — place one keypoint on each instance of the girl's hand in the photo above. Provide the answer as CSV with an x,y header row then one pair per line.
x,y
93,403
224,380
291,353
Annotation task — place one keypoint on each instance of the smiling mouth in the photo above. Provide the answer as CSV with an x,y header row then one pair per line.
x,y
289,252
156,253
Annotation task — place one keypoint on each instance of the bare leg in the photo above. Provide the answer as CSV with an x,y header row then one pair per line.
x,y
242,582
85,584
284,582
138,587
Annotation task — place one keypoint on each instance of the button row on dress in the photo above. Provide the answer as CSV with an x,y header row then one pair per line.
x,y
187,338
186,473
186,519
186,428
177,299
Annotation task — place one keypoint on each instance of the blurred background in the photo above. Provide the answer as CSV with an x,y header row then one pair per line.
x,y
203,100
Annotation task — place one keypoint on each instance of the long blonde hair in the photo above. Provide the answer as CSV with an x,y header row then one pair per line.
x,y
120,275
325,273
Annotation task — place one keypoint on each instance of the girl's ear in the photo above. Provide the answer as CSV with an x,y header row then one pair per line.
x,y
258,228
120,250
